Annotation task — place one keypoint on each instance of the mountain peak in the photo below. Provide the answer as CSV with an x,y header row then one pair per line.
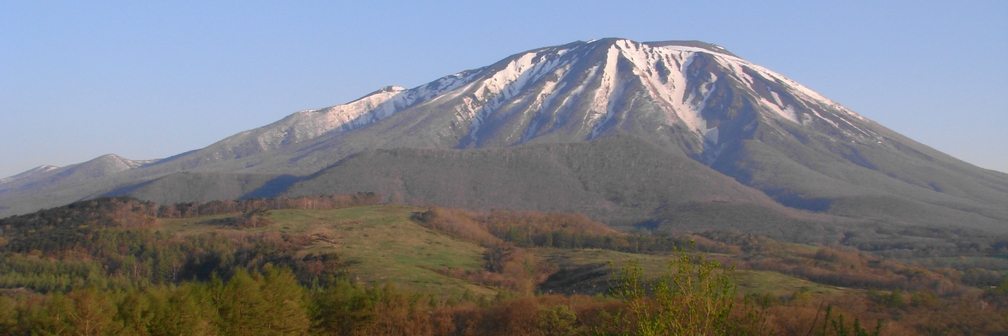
x,y
710,47
383,92
692,43
116,163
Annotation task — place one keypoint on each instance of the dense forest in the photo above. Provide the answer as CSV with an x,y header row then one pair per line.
x,y
119,266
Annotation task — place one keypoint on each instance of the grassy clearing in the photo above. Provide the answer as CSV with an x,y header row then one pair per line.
x,y
653,265
780,285
749,281
382,244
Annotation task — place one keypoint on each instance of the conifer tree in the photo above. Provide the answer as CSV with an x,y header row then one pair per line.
x,y
285,301
242,307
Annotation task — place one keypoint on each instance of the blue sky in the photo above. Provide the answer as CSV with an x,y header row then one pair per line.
x,y
153,79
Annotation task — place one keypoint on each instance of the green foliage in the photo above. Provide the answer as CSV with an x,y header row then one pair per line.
x,y
533,229
270,304
893,299
696,296
184,310
248,304
82,312
8,313
191,277
354,309
557,321
836,326
345,307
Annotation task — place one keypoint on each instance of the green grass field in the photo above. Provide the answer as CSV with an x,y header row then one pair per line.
x,y
655,265
383,244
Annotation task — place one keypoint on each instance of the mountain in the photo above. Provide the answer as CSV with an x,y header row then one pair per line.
x,y
586,126
48,186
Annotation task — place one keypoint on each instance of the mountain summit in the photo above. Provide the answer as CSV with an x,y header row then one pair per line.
x,y
698,96
748,134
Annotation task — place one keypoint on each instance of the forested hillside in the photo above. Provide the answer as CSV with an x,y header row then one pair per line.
x,y
346,265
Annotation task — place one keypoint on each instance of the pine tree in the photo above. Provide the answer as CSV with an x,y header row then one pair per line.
x,y
95,312
242,306
8,314
184,310
286,311
135,313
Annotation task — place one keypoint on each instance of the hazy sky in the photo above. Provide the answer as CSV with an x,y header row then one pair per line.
x,y
149,80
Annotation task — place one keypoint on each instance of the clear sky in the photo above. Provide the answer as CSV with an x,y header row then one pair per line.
x,y
150,79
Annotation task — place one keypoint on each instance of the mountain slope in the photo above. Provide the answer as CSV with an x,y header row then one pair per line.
x,y
619,179
196,187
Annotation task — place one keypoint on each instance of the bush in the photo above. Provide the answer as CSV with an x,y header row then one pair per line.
x,y
696,296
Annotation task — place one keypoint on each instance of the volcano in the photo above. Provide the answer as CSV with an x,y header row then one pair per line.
x,y
654,134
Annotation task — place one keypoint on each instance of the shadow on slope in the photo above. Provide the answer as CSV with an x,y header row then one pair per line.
x,y
202,187
898,185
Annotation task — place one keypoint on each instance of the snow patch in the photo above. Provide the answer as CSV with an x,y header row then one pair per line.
x,y
601,104
787,112
679,104
543,101
29,173
507,83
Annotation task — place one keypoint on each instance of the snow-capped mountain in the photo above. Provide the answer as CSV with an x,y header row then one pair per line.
x,y
580,91
695,95
747,124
